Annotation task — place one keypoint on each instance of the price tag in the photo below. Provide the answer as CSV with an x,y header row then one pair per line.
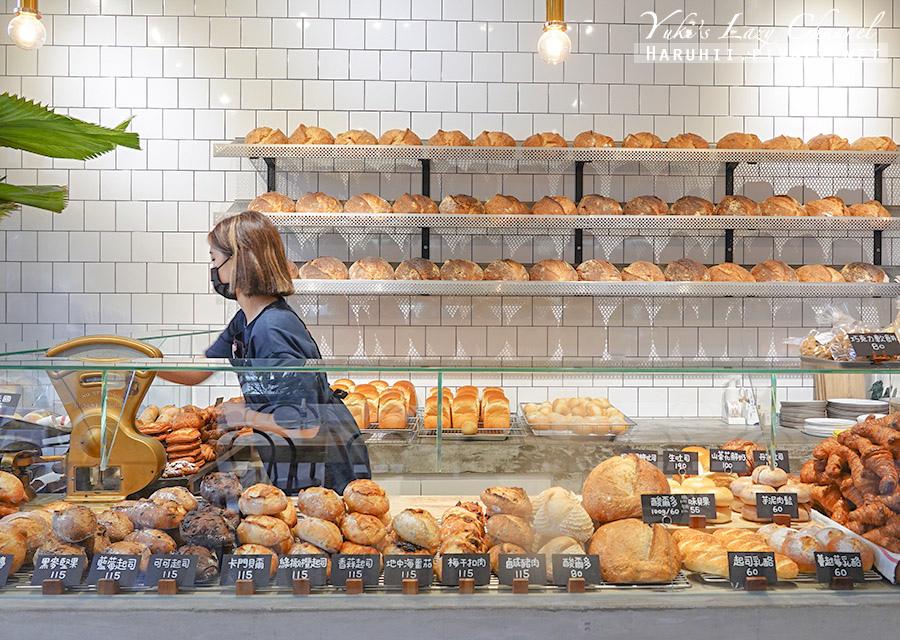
x,y
727,461
5,566
9,402
746,564
770,504
305,566
257,568
567,566
408,567
676,508
761,458
465,565
838,564
644,454
67,568
360,566
110,566
874,345
518,566
163,566
686,463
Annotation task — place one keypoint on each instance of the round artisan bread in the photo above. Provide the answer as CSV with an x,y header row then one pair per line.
x,y
363,529
642,271
830,207
272,202
418,527
417,269
321,533
819,273
863,272
265,530
324,268
870,209
461,270
554,206
643,140
737,206
593,139
262,500
399,137
687,141
311,135
494,139
645,206
367,203
739,140
355,136
730,272
594,205
505,269
371,268
598,271
785,143
414,203
15,544
631,551
552,270
265,135
157,541
828,142
874,143
613,489
548,139
366,496
511,500
461,205
773,271
692,206
781,206
512,529
449,139
74,524
686,270
318,202
320,502
505,205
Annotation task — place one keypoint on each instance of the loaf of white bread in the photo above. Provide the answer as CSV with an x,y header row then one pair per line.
x,y
377,404
468,410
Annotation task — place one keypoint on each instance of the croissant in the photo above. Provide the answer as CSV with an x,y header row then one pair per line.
x,y
877,432
826,497
841,513
874,513
837,454
892,501
811,474
880,461
851,492
850,438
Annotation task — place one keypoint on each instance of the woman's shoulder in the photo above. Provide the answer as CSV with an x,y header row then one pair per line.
x,y
279,316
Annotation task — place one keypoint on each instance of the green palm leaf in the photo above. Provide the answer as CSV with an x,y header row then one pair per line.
x,y
47,197
29,126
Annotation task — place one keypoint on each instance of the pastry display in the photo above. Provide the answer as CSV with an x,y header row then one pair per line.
x,y
449,139
324,268
311,135
318,202
553,271
643,140
581,416
593,139
505,269
548,139
414,203
355,136
506,205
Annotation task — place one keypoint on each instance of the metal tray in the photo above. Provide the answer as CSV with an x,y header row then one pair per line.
x,y
550,432
851,364
393,435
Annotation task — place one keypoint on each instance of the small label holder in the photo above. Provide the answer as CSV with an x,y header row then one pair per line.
x,y
253,568
470,566
5,566
398,568
522,566
685,463
647,455
171,566
665,508
768,505
355,566
301,566
68,569
727,461
751,564
874,346
123,569
761,458
832,566
576,566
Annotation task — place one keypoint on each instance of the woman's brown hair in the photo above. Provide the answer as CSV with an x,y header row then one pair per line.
x,y
261,266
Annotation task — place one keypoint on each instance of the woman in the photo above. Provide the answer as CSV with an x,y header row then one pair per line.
x,y
249,265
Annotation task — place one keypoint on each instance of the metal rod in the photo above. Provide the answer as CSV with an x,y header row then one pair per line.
x,y
879,181
555,11
426,243
579,180
270,174
579,246
729,245
876,246
426,191
729,177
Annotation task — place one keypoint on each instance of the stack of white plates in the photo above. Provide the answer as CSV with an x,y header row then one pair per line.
x,y
850,408
794,414
825,427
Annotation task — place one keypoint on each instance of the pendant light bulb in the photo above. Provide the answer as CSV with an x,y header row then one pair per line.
x,y
26,29
554,45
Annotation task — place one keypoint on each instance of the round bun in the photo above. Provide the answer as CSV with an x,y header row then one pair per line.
x,y
631,551
365,496
494,139
785,143
414,203
265,530
320,502
730,272
367,203
311,135
262,500
737,206
507,528
371,268
598,271
773,271
613,488
766,475
449,139
417,527
355,136
123,548
417,269
870,209
74,524
157,541
13,543
739,141
863,272
548,139
642,271
554,206
179,495
828,142
510,500
552,270
501,205
461,204
593,139
461,270
399,137
692,206
259,550
12,490
594,205
157,514
645,206
781,206
831,207
504,548
54,546
819,273
318,202
35,529
877,143
363,529
272,202
643,140
322,533
687,141
324,268
221,489
206,529
686,270
505,269
265,135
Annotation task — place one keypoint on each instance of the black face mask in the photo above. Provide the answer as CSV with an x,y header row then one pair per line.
x,y
222,288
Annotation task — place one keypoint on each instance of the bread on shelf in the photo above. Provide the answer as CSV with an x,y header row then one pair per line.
x,y
593,139
494,139
598,271
828,142
631,551
461,205
863,272
786,143
870,209
643,140
449,139
738,140
818,273
594,205
318,202
271,202
552,271
830,207
501,205
311,135
686,270
355,136
730,272
613,489
265,135
642,271
554,206
505,269
367,203
414,203
461,270
399,137
324,268
874,143
687,141
417,269
548,139
737,206
371,268
773,271
781,206
645,206
692,206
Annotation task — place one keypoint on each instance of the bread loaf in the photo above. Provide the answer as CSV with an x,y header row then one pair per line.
x,y
737,206
863,272
558,512
501,205
554,206
687,141
828,142
739,141
356,136
417,269
781,206
367,203
366,496
318,202
414,203
730,272
773,271
324,268
265,135
505,269
831,207
642,271
431,413
645,206
372,395
461,204
548,139
598,271
692,206
870,209
614,487
461,270
877,143
785,143
643,140
494,139
592,139
594,205
371,269
399,137
391,411
631,551
271,202
311,135
818,273
552,271
449,139
358,407
686,270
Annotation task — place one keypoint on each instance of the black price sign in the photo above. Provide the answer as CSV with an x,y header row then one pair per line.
x,y
9,402
257,568
408,567
874,345
110,566
686,463
838,564
566,566
751,564
68,568
355,566
644,454
519,566
727,461
677,508
762,458
465,565
5,566
164,566
768,505
311,566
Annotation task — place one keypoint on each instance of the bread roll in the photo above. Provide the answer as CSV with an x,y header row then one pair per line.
x,y
554,206
548,139
318,202
366,496
324,268
363,528
506,269
399,137
371,269
265,135
593,139
355,136
553,271
737,206
319,532
594,205
870,209
828,142
461,270
505,205
785,143
262,499
558,512
686,270
598,271
877,143
739,141
367,203
417,527
176,494
613,489
271,202
417,269
504,548
818,273
730,272
157,541
511,529
449,139
687,141
460,204
645,206
781,206
117,524
494,139
414,203
13,543
643,140
692,206
773,271
12,491
631,551
320,502
642,271
311,135
863,272
74,524
265,530
831,207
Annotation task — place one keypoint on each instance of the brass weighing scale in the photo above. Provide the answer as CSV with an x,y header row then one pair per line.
x,y
108,458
